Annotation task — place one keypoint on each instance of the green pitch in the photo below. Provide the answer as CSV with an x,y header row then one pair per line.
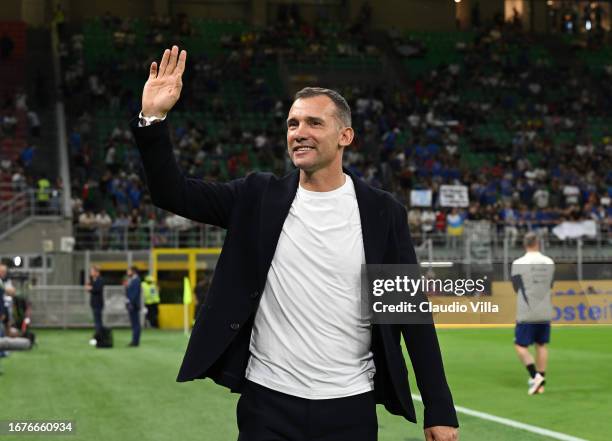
x,y
129,394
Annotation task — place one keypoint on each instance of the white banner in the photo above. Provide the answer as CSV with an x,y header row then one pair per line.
x,y
454,196
420,198
573,230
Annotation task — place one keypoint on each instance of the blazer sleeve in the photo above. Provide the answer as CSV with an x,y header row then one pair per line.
x,y
423,348
195,199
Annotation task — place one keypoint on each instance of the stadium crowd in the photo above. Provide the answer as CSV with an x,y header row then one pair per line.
x,y
21,123
528,136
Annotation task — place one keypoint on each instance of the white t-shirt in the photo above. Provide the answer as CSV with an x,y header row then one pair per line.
x,y
309,338
534,273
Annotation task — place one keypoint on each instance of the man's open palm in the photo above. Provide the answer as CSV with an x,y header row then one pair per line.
x,y
163,88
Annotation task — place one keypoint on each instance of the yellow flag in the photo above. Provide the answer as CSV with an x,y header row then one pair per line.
x,y
186,291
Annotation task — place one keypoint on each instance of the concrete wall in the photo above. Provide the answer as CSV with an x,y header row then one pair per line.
x,y
28,239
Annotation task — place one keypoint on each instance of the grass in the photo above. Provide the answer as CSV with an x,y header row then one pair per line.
x,y
130,393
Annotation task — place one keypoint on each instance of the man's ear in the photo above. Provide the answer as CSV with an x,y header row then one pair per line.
x,y
346,137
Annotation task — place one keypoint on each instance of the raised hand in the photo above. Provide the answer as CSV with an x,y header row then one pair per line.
x,y
163,88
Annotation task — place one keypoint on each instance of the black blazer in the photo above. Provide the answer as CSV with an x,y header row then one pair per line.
x,y
253,210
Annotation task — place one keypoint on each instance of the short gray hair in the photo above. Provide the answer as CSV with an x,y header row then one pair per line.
x,y
343,110
530,240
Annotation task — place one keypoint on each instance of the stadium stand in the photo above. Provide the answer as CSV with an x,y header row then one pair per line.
x,y
516,135
27,178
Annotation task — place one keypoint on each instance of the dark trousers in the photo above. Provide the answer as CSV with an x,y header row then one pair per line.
x,y
152,314
267,415
97,316
135,323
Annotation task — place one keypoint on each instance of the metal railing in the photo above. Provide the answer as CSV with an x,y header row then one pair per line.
x,y
14,210
490,239
8,190
147,237
68,306
483,241
27,203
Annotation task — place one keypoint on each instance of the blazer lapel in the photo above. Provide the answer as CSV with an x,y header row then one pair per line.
x,y
275,205
374,223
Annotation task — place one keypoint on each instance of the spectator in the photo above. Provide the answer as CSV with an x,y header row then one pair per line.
x,y
428,219
103,224
86,230
509,217
526,162
414,221
571,193
34,122
540,197
27,156
454,228
43,195
19,180
119,229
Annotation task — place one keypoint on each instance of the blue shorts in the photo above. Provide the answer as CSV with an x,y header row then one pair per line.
x,y
526,334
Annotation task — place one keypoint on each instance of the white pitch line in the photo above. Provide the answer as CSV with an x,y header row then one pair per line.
x,y
512,423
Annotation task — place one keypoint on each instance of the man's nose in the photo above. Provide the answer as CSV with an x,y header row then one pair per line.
x,y
299,134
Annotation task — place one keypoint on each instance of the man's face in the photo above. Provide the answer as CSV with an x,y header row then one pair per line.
x,y
2,271
314,133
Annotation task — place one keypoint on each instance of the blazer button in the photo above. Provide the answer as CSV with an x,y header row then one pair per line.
x,y
254,294
235,326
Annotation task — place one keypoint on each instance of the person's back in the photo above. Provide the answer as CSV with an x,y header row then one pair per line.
x,y
532,280
534,274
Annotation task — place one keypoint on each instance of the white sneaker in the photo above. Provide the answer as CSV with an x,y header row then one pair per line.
x,y
530,383
93,342
535,384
